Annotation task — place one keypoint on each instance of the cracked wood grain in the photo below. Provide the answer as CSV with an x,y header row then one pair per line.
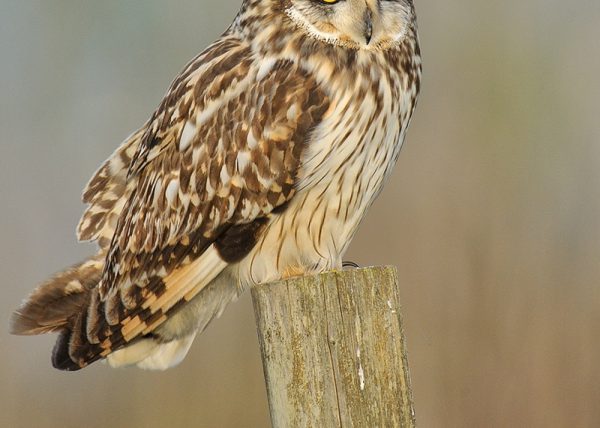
x,y
333,350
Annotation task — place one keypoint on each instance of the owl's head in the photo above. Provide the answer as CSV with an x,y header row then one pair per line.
x,y
357,24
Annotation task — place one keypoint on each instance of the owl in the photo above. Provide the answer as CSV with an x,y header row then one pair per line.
x,y
258,164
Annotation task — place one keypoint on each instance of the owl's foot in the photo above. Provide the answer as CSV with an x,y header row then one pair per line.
x,y
292,271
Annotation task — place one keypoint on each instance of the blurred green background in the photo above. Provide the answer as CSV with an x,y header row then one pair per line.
x,y
492,215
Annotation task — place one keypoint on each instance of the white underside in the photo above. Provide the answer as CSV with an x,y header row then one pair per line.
x,y
151,355
315,230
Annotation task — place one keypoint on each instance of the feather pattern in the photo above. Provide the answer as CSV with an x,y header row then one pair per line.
x,y
259,163
51,306
184,200
194,179
106,194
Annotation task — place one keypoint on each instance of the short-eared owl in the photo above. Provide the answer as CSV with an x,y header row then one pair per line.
x,y
259,163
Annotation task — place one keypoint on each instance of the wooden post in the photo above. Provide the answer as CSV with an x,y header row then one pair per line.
x,y
333,350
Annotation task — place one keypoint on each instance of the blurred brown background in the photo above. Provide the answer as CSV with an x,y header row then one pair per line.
x,y
492,216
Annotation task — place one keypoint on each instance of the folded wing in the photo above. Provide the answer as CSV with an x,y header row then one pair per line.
x,y
218,156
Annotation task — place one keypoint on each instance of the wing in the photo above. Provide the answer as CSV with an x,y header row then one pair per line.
x,y
105,194
218,156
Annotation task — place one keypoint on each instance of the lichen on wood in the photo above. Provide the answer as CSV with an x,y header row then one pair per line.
x,y
333,350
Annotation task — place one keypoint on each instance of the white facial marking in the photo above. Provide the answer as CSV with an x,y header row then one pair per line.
x,y
300,20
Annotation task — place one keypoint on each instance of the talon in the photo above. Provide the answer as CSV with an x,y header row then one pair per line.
x,y
349,264
293,271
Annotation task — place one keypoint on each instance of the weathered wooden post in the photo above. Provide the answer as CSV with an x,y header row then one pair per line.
x,y
333,350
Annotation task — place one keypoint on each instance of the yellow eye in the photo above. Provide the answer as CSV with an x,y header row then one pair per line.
x,y
329,1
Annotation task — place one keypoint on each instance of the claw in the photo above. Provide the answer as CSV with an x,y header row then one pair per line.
x,y
349,264
293,271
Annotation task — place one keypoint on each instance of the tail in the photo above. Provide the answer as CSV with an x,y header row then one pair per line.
x,y
69,304
58,305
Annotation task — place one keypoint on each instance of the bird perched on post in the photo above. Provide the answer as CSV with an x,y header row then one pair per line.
x,y
259,164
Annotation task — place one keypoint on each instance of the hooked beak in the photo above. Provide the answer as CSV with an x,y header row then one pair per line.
x,y
368,32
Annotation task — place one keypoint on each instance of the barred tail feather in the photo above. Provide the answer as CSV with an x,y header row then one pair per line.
x,y
156,337
58,304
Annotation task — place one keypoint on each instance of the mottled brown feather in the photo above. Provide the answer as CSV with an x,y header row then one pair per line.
x,y
53,304
240,164
218,164
105,193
